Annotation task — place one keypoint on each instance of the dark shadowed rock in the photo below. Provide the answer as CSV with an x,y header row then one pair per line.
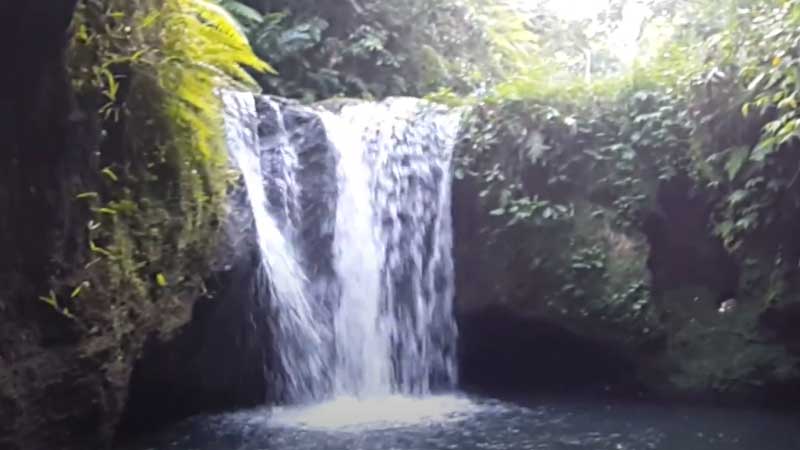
x,y
651,290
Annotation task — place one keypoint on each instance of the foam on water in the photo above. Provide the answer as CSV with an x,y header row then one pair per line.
x,y
353,414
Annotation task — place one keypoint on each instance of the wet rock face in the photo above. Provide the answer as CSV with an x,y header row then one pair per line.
x,y
221,359
504,351
549,309
585,272
302,130
35,105
60,386
662,294
140,364
63,385
32,42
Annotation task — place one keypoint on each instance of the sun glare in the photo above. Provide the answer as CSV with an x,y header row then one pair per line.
x,y
577,9
624,39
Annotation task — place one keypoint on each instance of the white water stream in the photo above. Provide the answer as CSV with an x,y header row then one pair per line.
x,y
390,329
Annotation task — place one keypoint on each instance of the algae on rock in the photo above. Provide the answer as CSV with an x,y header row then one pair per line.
x,y
591,217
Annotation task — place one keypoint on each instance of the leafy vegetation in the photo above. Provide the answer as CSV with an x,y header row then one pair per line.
x,y
375,48
583,156
693,144
577,152
146,74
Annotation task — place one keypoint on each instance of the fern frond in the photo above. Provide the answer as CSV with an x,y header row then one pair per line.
x,y
202,49
201,39
242,12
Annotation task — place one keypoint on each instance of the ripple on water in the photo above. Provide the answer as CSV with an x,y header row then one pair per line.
x,y
464,423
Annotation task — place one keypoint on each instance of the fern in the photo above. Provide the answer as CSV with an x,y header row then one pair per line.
x,y
202,49
160,65
243,13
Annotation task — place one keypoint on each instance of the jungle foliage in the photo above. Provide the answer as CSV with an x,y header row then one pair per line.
x,y
576,153
706,119
146,75
376,48
557,112
717,104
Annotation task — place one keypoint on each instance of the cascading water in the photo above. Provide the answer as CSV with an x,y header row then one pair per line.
x,y
363,358
385,325
297,331
394,328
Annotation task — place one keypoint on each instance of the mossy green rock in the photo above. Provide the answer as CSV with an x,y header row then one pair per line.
x,y
604,250
584,274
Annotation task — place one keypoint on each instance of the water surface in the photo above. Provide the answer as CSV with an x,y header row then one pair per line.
x,y
476,423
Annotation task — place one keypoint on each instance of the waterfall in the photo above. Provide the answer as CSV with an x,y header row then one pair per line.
x,y
368,312
297,333
394,328
363,350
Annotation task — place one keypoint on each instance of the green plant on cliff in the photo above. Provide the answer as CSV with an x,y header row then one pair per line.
x,y
755,87
202,50
694,109
704,129
148,73
729,71
186,50
567,185
377,48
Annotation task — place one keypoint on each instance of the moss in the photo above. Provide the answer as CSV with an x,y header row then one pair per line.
x,y
728,354
153,196
626,182
583,272
608,268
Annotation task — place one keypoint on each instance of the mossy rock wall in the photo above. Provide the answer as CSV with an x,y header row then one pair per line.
x,y
605,234
105,244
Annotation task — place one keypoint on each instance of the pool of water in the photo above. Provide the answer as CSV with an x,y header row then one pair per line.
x,y
480,423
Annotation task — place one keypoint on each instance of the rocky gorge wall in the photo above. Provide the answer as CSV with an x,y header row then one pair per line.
x,y
602,260
98,255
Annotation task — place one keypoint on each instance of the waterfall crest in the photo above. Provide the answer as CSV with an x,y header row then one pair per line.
x,y
370,314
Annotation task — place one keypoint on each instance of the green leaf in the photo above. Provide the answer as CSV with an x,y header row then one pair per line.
x,y
725,229
738,196
498,212
77,291
161,280
110,174
113,85
242,12
85,195
756,81
788,103
99,250
764,148
50,299
738,156
747,222
107,211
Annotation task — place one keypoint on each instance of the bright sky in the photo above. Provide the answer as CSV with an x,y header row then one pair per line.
x,y
578,9
624,40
